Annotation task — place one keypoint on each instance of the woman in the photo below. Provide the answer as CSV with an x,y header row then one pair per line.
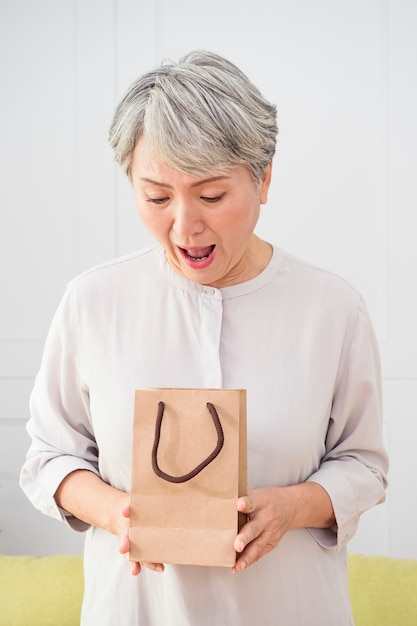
x,y
211,305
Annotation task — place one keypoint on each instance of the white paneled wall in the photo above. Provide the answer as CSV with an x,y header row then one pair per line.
x,y
344,77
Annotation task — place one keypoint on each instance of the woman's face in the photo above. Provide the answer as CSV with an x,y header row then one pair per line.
x,y
204,223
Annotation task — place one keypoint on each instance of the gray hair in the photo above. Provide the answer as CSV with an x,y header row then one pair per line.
x,y
200,115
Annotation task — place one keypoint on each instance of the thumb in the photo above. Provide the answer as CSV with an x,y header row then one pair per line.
x,y
245,505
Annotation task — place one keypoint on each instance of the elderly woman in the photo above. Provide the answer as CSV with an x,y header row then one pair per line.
x,y
210,304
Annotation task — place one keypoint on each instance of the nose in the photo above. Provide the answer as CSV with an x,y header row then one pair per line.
x,y
188,220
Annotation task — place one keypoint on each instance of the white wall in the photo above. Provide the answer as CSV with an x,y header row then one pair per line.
x,y
343,75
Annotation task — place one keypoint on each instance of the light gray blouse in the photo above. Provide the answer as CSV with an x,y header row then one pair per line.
x,y
299,340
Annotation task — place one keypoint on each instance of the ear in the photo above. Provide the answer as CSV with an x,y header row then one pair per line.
x,y
264,184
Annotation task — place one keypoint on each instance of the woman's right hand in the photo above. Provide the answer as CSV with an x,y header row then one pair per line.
x,y
86,496
124,546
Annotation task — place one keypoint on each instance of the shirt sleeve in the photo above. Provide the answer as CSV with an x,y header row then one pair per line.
x,y
354,467
60,427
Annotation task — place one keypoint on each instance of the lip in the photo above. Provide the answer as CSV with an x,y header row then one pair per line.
x,y
198,258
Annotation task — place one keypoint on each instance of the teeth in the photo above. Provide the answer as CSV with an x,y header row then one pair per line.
x,y
198,258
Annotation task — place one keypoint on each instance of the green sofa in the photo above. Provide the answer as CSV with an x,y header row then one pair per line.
x,y
48,591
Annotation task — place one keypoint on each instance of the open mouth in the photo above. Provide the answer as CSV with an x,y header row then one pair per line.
x,y
198,255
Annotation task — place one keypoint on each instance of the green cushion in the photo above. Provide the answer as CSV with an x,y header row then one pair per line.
x,y
48,591
383,590
43,591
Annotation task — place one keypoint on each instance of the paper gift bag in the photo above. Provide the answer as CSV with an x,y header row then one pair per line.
x,y
188,469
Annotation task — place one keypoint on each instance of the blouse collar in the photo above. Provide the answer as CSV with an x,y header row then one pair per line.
x,y
232,291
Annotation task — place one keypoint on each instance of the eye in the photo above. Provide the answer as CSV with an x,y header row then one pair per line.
x,y
157,200
212,199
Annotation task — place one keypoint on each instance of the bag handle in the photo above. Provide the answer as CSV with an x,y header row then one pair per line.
x,y
203,464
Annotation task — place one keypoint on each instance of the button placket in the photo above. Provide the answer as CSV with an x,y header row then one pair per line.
x,y
212,316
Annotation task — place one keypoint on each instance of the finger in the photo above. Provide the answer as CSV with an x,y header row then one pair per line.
x,y
245,504
124,544
252,553
126,510
155,567
249,532
135,568
239,566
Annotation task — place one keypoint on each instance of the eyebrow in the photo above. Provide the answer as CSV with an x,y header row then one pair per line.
x,y
212,179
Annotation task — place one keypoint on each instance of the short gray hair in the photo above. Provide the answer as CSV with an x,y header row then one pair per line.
x,y
200,115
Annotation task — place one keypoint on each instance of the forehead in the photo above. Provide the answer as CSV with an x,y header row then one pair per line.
x,y
147,163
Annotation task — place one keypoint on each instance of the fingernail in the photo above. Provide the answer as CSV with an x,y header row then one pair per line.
x,y
239,546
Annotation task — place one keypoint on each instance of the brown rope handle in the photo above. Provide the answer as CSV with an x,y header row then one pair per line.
x,y
203,464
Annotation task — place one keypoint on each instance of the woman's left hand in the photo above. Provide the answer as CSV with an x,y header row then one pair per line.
x,y
273,511
270,515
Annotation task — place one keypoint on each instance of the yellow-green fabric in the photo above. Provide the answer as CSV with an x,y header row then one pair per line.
x,y
48,591
43,591
383,590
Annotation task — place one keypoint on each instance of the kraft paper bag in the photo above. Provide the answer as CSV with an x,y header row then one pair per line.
x,y
189,466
